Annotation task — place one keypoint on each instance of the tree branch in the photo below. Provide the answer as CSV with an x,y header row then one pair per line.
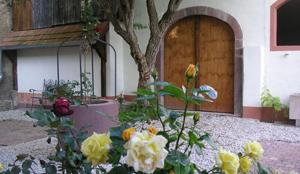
x,y
167,16
155,33
152,13
158,28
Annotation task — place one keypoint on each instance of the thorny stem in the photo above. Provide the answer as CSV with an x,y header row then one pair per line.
x,y
184,116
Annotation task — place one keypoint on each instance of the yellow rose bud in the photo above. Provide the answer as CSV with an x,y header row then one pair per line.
x,y
191,71
1,167
254,150
245,164
96,148
228,162
196,117
152,130
127,133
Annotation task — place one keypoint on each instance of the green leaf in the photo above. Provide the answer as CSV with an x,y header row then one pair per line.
x,y
67,122
193,138
173,91
159,83
26,164
261,169
44,117
116,132
163,111
147,97
176,157
206,137
143,91
77,102
118,170
25,171
21,157
197,100
15,170
183,169
51,169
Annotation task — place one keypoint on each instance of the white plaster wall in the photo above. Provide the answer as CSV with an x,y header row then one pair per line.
x,y
117,42
34,65
282,68
250,16
253,75
278,71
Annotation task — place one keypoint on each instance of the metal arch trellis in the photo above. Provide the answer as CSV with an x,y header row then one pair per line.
x,y
92,62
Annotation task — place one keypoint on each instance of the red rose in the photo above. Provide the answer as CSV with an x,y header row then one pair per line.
x,y
62,107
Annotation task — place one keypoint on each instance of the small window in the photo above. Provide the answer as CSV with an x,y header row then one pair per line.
x,y
285,25
288,23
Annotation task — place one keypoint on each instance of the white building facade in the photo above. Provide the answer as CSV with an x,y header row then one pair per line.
x,y
258,64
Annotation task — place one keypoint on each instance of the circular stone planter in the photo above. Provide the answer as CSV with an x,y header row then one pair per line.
x,y
96,117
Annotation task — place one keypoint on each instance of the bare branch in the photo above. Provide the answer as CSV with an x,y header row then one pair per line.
x,y
131,16
167,16
157,28
155,34
152,13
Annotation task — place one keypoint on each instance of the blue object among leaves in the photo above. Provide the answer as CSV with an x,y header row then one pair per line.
x,y
209,91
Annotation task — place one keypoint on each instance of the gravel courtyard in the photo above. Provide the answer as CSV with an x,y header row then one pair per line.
x,y
280,142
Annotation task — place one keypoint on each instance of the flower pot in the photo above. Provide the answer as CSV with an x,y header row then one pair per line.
x,y
96,117
268,115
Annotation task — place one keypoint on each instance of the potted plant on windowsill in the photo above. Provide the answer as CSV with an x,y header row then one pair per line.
x,y
272,108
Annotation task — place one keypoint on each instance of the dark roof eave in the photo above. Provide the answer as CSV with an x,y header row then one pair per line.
x,y
48,45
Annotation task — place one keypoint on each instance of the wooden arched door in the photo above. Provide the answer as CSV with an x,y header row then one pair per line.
x,y
209,42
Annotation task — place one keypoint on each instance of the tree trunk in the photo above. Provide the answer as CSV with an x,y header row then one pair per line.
x,y
140,59
144,72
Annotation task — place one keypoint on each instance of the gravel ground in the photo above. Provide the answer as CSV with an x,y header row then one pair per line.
x,y
17,114
230,133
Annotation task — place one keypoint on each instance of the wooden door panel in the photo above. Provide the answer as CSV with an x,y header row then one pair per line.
x,y
179,52
210,42
216,44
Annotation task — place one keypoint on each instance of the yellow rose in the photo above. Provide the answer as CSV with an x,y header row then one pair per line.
x,y
145,152
228,162
254,150
245,164
1,167
127,133
191,71
152,130
96,148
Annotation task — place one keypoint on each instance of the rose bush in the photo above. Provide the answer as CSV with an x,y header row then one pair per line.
x,y
133,150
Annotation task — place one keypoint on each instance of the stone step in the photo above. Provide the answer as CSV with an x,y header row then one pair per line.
x,y
5,105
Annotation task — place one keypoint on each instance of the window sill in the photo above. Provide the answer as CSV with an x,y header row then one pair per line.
x,y
285,48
